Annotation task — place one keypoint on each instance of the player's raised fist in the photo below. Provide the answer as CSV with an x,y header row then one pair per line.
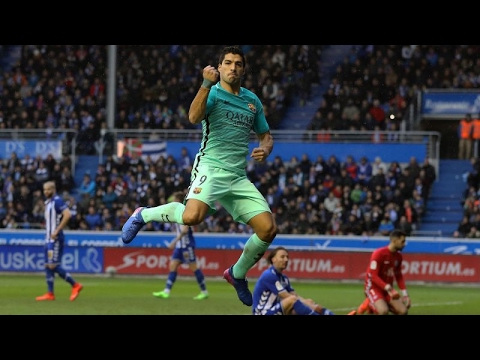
x,y
210,73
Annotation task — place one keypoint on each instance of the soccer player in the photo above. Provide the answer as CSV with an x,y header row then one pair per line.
x,y
57,215
183,247
384,268
273,293
228,113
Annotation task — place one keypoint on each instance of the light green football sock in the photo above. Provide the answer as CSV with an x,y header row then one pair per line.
x,y
252,253
168,213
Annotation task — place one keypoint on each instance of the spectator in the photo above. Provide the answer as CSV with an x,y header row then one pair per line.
x,y
365,171
93,219
386,226
67,182
110,197
463,228
404,225
476,135
378,114
87,187
465,129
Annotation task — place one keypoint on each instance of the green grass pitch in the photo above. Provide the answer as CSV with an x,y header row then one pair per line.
x,y
120,295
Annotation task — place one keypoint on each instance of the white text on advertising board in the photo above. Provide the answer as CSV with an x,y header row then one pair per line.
x,y
440,268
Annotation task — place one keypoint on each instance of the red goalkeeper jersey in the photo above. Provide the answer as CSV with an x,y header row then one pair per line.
x,y
384,268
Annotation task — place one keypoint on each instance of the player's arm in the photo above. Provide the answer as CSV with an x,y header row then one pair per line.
x,y
183,232
66,216
198,107
270,282
402,285
374,271
264,148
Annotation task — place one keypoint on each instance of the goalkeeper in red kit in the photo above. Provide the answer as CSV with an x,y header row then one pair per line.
x,y
384,268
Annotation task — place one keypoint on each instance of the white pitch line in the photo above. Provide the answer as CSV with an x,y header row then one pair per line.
x,y
450,303
438,304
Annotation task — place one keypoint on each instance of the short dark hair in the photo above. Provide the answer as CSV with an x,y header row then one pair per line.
x,y
232,49
395,234
274,252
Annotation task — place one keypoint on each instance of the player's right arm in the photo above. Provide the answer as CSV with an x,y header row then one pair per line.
x,y
374,270
183,232
198,107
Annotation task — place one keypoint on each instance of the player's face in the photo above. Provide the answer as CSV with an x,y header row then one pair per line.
x,y
280,260
231,69
47,191
400,243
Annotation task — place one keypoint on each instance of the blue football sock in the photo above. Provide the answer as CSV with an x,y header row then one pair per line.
x,y
200,279
302,309
50,277
172,276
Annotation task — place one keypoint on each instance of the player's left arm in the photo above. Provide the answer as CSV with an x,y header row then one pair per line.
x,y
183,232
402,285
264,148
66,216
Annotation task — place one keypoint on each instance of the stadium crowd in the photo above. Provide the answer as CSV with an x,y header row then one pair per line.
x,y
64,87
308,196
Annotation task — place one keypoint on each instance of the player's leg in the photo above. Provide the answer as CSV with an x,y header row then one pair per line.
x,y
65,275
199,201
381,306
168,213
49,274
247,205
200,277
175,261
398,307
192,265
317,307
50,278
363,307
292,305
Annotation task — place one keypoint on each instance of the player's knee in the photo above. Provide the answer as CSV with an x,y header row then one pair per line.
x,y
267,231
382,311
402,311
192,218
287,304
194,213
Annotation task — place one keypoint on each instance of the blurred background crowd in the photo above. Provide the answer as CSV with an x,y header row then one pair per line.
x,y
64,87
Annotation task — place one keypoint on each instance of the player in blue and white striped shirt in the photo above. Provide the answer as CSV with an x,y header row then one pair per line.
x,y
274,295
57,215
